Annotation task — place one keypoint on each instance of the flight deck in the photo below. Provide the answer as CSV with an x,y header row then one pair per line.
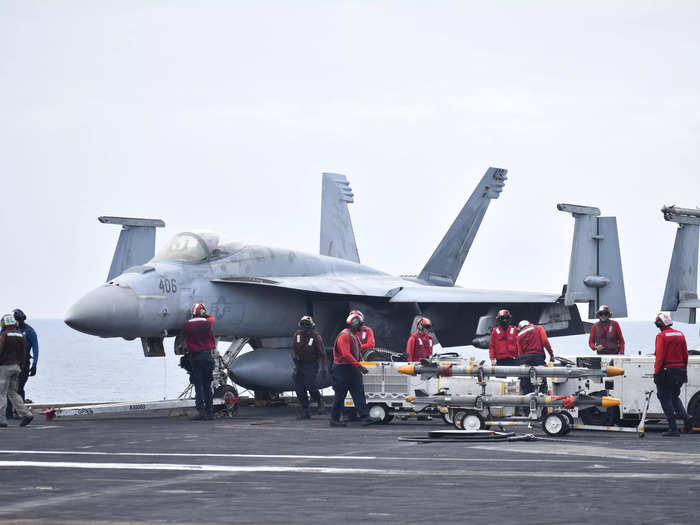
x,y
265,466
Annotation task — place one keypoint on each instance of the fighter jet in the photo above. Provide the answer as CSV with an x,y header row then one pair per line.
x,y
258,293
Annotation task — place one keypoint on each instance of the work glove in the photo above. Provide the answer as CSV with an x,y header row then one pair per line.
x,y
364,370
32,371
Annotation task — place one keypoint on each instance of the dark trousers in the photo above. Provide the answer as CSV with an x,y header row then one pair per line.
x,y
347,378
305,380
669,391
23,376
201,377
525,383
508,361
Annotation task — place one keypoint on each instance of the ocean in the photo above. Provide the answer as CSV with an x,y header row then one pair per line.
x,y
74,367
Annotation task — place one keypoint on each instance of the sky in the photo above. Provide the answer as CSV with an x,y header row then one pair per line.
x,y
224,114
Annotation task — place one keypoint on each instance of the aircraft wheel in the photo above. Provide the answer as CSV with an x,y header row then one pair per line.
x,y
555,425
472,420
380,412
228,393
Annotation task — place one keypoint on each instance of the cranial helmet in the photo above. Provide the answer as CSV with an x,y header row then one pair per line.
x,y
8,320
307,322
503,315
424,322
199,310
19,314
604,309
353,320
522,324
663,320
362,316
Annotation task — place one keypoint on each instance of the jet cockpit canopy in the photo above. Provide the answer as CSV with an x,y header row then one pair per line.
x,y
197,246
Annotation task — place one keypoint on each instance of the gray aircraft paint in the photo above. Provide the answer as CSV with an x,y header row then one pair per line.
x,y
136,245
258,293
337,236
681,292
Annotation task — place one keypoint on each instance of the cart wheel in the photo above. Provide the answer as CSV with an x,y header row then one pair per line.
x,y
380,412
570,420
555,425
472,420
457,421
446,418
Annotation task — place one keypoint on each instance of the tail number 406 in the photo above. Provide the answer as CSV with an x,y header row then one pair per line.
x,y
168,286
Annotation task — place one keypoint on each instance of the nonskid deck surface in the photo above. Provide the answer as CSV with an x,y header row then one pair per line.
x,y
265,466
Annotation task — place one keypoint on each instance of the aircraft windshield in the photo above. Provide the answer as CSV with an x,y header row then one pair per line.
x,y
197,246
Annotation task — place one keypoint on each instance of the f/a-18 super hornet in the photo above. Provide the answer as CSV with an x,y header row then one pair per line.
x,y
258,293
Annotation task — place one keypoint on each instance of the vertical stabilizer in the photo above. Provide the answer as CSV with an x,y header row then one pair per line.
x,y
337,236
595,268
444,265
681,293
136,245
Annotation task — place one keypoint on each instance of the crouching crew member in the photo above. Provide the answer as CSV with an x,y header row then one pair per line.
x,y
606,336
307,351
503,347
366,334
532,342
12,351
347,371
420,343
199,336
670,372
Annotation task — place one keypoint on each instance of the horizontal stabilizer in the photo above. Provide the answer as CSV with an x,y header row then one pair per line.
x,y
337,235
595,268
136,245
444,265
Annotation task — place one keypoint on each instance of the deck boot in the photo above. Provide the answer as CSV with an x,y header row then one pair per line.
x,y
201,416
321,406
26,420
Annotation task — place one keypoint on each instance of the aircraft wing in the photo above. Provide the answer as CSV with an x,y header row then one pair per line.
x,y
393,291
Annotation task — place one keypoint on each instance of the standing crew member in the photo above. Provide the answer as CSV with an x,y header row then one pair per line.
x,y
606,336
32,354
532,342
420,343
670,372
347,371
503,347
307,351
200,340
366,334
12,350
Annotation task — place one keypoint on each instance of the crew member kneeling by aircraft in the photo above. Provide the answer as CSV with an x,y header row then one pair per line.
x,y
420,343
366,334
670,372
307,351
503,347
347,371
606,336
199,336
532,342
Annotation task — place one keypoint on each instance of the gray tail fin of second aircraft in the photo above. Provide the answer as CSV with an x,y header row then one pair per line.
x,y
444,265
136,245
681,292
595,268
337,236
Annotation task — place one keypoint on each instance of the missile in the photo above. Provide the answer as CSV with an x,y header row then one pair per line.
x,y
449,370
540,400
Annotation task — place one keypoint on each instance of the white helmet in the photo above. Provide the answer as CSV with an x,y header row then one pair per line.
x,y
522,324
663,320
199,310
8,320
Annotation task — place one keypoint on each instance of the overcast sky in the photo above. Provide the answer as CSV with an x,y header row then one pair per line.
x,y
224,114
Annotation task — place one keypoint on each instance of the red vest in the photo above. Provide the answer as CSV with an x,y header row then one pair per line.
x,y
674,349
606,335
504,342
530,341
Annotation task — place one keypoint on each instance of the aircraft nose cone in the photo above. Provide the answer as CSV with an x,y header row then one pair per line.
x,y
107,311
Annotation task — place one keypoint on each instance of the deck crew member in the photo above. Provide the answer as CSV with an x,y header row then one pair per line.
x,y
420,343
307,351
31,357
366,334
606,336
670,372
347,371
199,336
503,346
532,342
12,350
